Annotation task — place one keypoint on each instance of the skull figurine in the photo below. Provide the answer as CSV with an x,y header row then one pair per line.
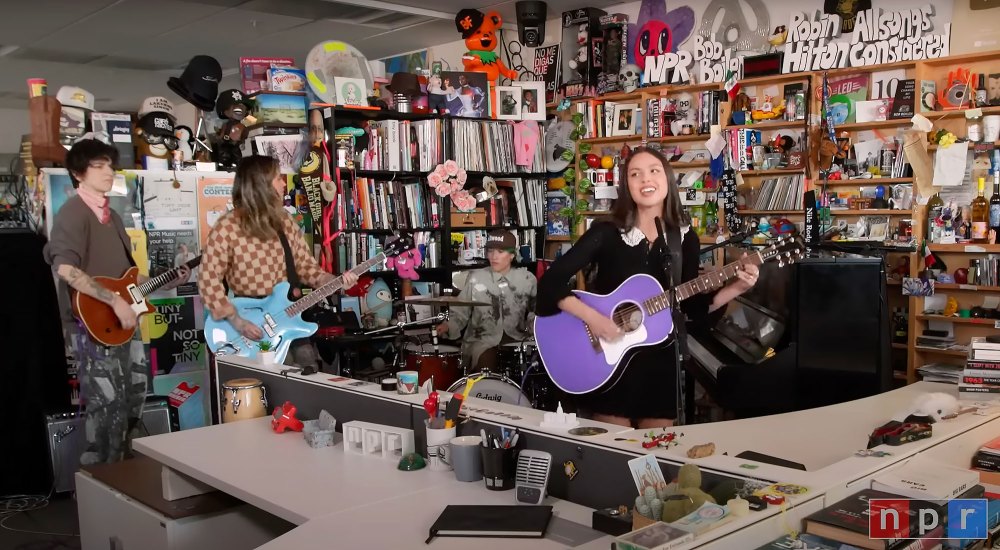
x,y
628,78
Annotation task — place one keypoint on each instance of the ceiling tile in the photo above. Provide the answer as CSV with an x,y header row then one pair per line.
x,y
25,22
232,26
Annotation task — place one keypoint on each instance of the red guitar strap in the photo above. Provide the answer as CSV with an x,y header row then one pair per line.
x,y
329,235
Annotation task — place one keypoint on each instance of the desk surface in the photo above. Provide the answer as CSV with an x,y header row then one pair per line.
x,y
404,523
281,473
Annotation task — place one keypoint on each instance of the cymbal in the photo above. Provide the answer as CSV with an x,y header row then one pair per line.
x,y
441,301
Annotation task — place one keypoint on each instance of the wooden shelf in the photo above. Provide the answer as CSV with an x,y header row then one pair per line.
x,y
893,282
595,213
959,320
898,346
934,146
612,139
948,352
776,172
770,125
616,96
681,139
959,113
766,212
870,212
966,248
861,182
874,68
557,238
685,165
898,375
972,288
873,125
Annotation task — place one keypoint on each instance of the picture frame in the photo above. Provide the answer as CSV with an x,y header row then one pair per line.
x,y
350,91
508,103
532,100
624,119
467,94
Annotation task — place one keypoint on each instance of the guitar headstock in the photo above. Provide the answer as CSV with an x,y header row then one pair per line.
x,y
398,245
786,250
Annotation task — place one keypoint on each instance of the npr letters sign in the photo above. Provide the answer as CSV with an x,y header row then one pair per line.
x,y
709,62
879,37
893,518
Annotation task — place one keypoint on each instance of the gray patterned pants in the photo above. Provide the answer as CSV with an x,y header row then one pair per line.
x,y
114,382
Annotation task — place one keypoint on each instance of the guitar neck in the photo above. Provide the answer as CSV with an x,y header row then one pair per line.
x,y
316,296
703,283
155,283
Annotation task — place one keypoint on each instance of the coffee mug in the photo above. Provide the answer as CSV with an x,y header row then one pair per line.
x,y
465,457
406,382
438,448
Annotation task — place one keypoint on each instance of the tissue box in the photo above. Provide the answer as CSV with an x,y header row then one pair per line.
x,y
320,432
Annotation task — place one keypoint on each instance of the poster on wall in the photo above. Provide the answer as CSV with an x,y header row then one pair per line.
x,y
170,248
59,189
546,69
187,392
215,198
140,254
175,335
406,63
170,202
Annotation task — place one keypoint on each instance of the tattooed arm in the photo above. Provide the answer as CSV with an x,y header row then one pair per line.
x,y
81,282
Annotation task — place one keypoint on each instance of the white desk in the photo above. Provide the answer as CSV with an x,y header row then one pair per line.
x,y
281,473
404,522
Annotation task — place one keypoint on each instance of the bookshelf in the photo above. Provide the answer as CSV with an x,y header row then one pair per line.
x,y
375,202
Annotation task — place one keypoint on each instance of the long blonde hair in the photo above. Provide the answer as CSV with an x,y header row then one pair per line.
x,y
258,206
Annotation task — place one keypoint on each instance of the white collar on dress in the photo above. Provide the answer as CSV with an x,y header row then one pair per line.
x,y
634,236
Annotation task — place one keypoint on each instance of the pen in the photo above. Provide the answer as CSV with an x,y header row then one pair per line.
x,y
486,442
513,442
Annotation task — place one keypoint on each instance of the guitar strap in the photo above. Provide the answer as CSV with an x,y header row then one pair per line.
x,y
295,290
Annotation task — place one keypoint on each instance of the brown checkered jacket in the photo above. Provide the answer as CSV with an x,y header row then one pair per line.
x,y
250,265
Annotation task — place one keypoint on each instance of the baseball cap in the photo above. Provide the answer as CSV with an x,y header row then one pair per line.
x,y
157,124
156,104
74,96
502,239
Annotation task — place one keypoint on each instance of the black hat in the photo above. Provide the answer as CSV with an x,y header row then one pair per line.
x,y
404,83
227,99
199,83
468,20
157,124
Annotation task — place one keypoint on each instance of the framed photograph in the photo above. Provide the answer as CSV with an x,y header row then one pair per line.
x,y
467,94
350,91
532,100
509,102
624,119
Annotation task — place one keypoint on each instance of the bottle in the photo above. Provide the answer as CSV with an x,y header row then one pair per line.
x,y
995,203
974,129
980,216
981,100
934,207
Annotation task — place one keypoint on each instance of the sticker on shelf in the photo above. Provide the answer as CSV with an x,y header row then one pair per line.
x,y
974,249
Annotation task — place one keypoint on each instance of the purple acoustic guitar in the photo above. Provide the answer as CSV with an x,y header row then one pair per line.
x,y
578,362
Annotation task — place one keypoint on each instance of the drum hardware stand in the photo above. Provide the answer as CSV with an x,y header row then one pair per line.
x,y
401,326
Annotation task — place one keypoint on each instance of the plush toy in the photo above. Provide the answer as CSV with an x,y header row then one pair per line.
x,y
688,485
376,306
437,95
933,405
183,134
231,106
406,264
479,32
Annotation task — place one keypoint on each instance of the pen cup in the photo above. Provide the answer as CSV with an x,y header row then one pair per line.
x,y
498,468
438,448
466,458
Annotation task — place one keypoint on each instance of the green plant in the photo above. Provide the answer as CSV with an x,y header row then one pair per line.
x,y
574,187
264,345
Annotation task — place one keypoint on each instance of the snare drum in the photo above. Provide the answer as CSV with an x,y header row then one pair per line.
x,y
445,365
494,387
243,398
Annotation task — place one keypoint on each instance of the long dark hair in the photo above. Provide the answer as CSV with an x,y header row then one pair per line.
x,y
623,213
258,207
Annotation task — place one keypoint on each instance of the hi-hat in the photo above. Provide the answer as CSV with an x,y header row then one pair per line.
x,y
441,301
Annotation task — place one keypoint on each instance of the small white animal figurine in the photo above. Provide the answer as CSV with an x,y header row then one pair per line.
x,y
935,405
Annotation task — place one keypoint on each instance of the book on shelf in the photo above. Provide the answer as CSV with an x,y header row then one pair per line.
x,y
980,342
806,541
984,354
847,521
971,386
781,193
983,365
373,204
978,379
403,145
556,224
490,145
925,479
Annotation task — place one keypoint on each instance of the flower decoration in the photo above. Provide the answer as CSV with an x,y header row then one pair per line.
x,y
448,180
944,138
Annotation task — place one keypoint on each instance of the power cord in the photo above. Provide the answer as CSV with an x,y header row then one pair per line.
x,y
12,505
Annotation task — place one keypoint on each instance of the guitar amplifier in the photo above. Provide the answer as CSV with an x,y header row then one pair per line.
x,y
67,440
158,417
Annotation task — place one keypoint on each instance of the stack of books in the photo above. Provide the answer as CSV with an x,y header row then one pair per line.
x,y
986,464
981,377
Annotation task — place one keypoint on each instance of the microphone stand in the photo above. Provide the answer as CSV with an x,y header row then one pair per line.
x,y
677,317
734,239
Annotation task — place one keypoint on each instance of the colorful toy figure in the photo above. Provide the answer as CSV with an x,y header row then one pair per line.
x,y
406,264
479,33
658,31
663,440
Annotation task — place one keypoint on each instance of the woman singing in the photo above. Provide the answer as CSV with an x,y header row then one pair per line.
x,y
645,395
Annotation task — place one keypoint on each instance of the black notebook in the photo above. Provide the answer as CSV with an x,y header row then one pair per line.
x,y
492,521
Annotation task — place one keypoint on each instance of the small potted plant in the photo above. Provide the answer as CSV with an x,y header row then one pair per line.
x,y
266,354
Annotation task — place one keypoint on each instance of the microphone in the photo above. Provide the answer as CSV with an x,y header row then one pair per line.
x,y
664,249
659,230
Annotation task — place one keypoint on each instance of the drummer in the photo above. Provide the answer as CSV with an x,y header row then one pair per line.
x,y
507,316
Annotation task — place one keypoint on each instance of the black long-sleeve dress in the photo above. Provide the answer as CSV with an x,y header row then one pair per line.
x,y
647,389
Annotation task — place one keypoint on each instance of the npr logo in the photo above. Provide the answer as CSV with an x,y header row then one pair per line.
x,y
898,518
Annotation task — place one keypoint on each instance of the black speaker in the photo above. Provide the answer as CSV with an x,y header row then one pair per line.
x,y
531,22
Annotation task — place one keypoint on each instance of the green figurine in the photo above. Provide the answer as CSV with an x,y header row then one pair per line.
x,y
411,462
689,485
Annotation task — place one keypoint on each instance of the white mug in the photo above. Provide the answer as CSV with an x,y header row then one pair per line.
x,y
991,128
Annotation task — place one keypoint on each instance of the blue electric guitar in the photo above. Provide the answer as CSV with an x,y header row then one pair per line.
x,y
279,318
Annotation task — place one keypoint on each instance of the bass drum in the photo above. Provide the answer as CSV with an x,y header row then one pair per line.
x,y
494,387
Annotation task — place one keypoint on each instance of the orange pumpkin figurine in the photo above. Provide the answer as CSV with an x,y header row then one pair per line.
x,y
479,32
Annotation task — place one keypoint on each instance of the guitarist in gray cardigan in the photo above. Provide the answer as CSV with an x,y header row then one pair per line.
x,y
87,240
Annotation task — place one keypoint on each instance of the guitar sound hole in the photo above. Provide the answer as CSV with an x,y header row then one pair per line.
x,y
628,317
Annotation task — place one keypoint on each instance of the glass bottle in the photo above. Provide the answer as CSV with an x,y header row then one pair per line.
x,y
934,208
995,202
974,129
981,96
980,216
